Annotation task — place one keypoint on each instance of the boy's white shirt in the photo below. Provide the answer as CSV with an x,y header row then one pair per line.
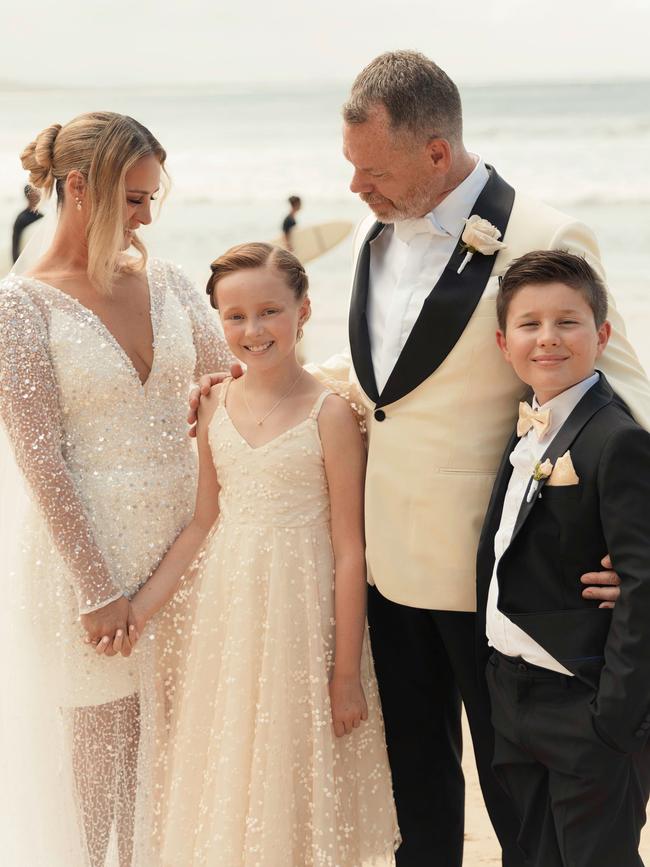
x,y
502,634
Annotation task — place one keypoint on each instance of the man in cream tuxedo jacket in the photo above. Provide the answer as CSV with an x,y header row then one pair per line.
x,y
441,403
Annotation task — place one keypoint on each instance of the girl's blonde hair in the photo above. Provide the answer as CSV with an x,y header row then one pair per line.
x,y
102,146
257,254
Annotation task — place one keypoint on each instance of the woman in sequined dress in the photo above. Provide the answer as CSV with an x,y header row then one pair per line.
x,y
278,755
97,350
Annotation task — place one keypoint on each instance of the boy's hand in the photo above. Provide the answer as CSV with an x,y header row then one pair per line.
x,y
203,390
348,703
607,583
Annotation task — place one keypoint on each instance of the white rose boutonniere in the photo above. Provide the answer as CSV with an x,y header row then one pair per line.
x,y
479,236
540,471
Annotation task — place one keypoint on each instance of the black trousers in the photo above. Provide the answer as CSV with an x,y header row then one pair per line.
x,y
581,802
426,664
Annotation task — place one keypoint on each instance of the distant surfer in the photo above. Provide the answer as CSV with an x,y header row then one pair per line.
x,y
25,218
290,221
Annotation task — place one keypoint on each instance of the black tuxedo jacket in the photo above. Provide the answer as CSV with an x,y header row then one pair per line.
x,y
564,532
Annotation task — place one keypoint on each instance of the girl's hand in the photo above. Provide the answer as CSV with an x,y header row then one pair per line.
x,y
348,704
137,620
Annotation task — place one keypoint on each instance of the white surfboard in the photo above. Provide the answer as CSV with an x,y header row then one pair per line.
x,y
312,241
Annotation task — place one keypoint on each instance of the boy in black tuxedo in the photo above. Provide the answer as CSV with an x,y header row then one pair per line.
x,y
569,681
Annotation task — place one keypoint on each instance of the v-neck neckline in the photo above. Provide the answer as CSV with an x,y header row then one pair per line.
x,y
105,330
279,436
268,442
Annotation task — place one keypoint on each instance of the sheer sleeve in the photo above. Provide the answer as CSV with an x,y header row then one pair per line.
x,y
212,353
30,411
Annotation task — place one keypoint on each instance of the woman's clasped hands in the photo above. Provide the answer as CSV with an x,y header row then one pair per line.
x,y
112,629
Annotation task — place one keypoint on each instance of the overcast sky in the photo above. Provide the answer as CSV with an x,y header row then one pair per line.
x,y
123,42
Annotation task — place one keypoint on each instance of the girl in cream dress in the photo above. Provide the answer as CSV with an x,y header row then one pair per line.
x,y
278,756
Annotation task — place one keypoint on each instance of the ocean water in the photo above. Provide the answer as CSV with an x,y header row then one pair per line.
x,y
236,154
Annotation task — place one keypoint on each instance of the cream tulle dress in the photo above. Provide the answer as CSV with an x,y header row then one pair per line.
x,y
258,778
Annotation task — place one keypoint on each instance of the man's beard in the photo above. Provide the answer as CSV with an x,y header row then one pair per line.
x,y
417,202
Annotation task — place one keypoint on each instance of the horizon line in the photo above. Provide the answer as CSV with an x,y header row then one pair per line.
x,y
15,85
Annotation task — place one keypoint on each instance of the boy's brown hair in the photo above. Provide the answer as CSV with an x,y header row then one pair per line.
x,y
552,266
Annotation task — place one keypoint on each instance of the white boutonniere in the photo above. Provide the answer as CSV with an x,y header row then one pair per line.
x,y
540,471
479,236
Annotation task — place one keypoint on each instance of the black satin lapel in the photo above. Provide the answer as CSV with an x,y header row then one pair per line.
x,y
358,322
485,555
596,398
449,306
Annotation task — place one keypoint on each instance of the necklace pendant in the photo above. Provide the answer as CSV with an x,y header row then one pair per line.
x,y
260,422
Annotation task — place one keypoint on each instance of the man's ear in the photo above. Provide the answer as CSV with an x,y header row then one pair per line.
x,y
502,343
439,152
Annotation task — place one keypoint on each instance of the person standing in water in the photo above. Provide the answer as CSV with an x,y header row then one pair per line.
x,y
289,221
25,218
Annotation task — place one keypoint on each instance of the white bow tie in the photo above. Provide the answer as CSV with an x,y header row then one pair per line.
x,y
406,230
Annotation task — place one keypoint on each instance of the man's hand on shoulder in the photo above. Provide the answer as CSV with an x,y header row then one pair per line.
x,y
203,390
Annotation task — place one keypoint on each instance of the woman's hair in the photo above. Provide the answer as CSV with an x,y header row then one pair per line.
x,y
102,146
295,200
258,255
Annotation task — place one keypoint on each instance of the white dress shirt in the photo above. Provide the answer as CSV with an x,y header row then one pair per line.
x,y
403,272
502,633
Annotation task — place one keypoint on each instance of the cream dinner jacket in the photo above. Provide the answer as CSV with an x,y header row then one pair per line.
x,y
433,458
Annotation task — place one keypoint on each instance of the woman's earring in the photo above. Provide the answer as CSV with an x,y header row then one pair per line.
x,y
78,202
299,334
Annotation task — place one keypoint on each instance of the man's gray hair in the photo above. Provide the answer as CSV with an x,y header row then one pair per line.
x,y
417,94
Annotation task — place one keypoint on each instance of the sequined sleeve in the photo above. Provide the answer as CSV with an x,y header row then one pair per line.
x,y
30,411
212,353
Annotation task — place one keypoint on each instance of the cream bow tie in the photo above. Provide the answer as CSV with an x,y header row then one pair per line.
x,y
539,419
406,230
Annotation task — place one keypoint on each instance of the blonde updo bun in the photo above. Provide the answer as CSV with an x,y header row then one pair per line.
x,y
100,147
38,158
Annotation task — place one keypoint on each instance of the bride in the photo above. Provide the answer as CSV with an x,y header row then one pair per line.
x,y
97,350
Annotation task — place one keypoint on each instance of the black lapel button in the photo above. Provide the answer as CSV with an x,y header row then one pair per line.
x,y
380,415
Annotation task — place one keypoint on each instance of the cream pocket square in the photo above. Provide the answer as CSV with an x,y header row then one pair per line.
x,y
563,472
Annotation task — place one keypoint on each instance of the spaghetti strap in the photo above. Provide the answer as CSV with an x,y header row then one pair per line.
x,y
223,391
319,403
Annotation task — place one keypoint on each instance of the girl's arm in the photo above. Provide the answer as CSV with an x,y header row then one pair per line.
x,y
164,582
345,460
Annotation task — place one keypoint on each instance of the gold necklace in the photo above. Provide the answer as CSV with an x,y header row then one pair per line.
x,y
260,421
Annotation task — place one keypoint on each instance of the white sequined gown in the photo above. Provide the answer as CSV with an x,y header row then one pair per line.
x,y
111,476
258,778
